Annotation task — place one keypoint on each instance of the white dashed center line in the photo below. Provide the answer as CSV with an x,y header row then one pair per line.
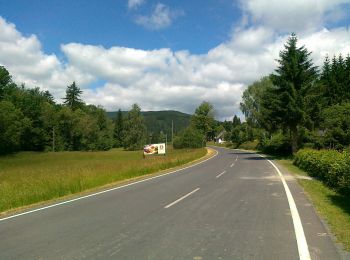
x,y
218,176
183,197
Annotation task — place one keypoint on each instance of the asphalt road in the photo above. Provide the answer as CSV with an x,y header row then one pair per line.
x,y
233,206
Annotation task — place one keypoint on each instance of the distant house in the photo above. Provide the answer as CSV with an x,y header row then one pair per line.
x,y
220,138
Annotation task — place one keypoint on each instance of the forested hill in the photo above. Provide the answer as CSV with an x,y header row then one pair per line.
x,y
157,121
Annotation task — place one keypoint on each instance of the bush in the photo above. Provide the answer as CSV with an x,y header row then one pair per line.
x,y
250,145
277,144
189,138
330,166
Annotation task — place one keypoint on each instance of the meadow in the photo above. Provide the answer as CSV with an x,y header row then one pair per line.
x,y
30,177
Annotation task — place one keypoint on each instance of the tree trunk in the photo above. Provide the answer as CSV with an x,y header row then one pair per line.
x,y
294,137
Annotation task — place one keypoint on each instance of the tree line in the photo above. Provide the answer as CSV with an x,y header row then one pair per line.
x,y
299,105
30,120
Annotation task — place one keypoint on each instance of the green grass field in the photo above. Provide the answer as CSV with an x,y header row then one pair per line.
x,y
29,177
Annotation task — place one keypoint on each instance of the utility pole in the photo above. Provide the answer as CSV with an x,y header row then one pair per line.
x,y
53,138
172,132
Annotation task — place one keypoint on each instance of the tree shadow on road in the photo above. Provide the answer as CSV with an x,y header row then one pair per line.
x,y
258,158
243,153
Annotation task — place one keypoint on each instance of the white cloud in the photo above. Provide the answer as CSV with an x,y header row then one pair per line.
x,y
328,42
134,4
28,64
162,16
293,15
159,79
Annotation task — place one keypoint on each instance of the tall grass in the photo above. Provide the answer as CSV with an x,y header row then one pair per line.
x,y
28,177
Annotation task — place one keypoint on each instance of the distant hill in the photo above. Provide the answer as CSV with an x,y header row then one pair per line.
x,y
157,121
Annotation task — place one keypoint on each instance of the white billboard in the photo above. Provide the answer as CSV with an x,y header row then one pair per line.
x,y
154,149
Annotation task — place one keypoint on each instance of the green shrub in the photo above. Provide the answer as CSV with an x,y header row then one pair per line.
x,y
249,145
278,144
330,166
189,138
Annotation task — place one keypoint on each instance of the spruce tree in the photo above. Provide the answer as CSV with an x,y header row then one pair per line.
x,y
72,99
294,76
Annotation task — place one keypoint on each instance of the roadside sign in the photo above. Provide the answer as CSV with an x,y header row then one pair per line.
x,y
151,149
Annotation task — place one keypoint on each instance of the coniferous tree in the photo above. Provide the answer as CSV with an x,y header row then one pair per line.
x,y
347,78
294,76
72,99
236,121
119,129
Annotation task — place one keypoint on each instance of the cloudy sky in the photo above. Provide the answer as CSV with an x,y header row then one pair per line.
x,y
163,55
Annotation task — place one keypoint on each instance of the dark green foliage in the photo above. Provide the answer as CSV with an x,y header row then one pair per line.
x,y
157,121
336,124
134,130
87,130
277,144
72,99
119,129
31,120
203,120
227,125
240,133
335,81
330,166
5,81
161,121
293,79
236,121
253,100
12,123
189,138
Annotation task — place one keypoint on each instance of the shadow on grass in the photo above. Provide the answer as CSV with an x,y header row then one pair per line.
x,y
342,201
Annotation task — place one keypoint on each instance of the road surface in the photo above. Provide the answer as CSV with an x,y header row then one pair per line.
x,y
233,206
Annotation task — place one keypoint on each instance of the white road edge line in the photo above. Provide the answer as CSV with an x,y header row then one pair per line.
x,y
104,191
218,176
236,158
303,249
182,198
232,165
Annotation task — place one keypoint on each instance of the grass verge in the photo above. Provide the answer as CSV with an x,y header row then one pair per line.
x,y
334,208
28,177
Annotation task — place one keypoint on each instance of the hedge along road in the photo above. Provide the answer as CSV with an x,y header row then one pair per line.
x,y
233,206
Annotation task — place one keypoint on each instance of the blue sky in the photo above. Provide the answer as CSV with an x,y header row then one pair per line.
x,y
200,25
162,54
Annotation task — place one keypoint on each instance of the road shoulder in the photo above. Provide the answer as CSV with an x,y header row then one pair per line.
x,y
322,243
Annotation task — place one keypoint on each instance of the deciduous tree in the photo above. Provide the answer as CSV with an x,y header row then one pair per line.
x,y
203,119
134,130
